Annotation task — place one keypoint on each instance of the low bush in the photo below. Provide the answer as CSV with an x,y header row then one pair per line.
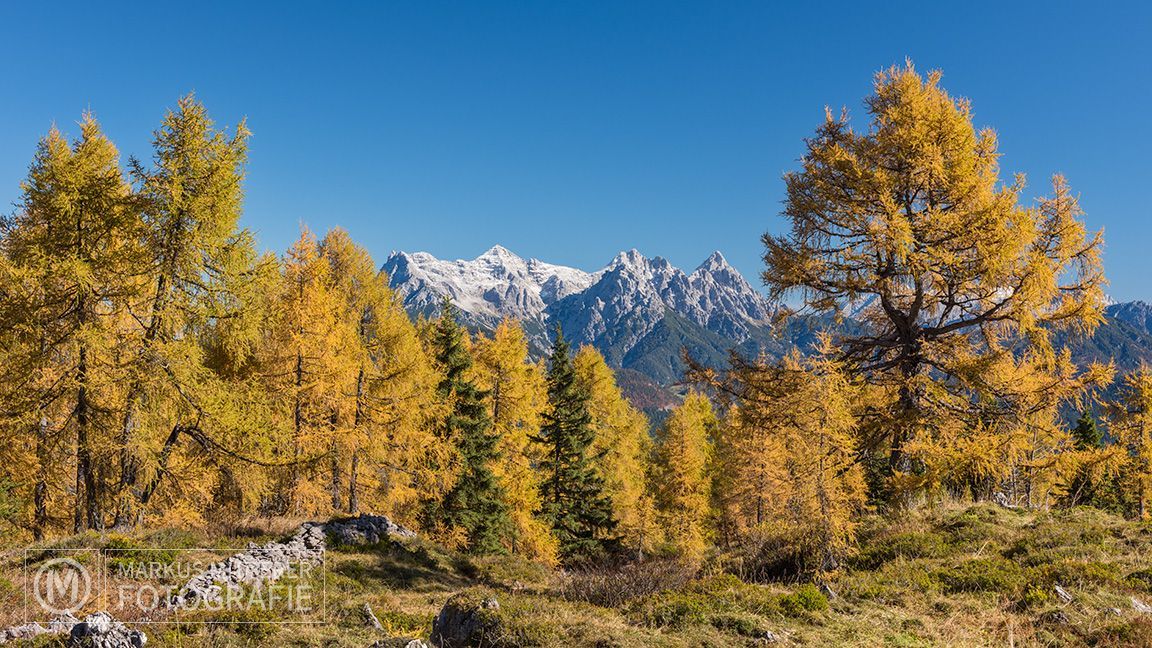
x,y
994,574
125,551
1141,579
397,622
982,524
806,598
703,600
907,545
745,625
1074,573
611,586
676,609
509,571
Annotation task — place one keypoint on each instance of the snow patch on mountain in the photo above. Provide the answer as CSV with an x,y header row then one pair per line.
x,y
494,285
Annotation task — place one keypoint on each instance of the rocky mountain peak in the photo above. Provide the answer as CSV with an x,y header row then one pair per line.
x,y
617,309
715,263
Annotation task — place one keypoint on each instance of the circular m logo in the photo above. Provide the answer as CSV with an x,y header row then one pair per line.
x,y
62,585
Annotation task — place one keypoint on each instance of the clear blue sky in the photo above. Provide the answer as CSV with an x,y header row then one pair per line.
x,y
569,131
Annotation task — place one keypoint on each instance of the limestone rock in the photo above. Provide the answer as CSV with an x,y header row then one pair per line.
x,y
399,643
100,630
365,529
257,564
1062,594
465,621
370,618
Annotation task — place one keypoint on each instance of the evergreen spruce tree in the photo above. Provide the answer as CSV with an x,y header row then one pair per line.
x,y
1087,433
1082,489
572,494
621,451
476,504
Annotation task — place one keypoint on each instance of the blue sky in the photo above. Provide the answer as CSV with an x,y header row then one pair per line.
x,y
569,131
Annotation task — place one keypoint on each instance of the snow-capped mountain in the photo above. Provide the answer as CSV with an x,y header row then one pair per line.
x,y
631,308
633,296
487,289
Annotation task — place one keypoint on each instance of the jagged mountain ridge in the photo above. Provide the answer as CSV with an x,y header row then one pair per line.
x,y
638,311
487,289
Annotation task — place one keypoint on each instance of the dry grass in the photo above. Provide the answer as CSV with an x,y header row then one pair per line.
x,y
952,576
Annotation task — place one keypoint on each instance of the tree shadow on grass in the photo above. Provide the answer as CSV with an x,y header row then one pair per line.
x,y
411,566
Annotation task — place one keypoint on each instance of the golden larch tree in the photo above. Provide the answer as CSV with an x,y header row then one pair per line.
x,y
516,394
683,485
909,221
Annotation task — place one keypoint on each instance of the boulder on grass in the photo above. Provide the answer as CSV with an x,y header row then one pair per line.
x,y
100,630
466,620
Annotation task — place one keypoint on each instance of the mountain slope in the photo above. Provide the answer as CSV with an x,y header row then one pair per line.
x,y
1136,314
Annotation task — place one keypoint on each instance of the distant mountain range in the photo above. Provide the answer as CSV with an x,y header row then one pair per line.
x,y
640,312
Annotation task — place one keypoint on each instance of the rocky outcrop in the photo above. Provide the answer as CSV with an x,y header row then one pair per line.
x,y
258,564
266,563
60,625
465,620
366,529
97,630
100,630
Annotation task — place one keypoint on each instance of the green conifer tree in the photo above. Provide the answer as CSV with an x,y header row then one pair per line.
x,y
1095,481
572,494
475,504
1087,433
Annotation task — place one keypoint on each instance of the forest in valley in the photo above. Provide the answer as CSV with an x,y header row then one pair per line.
x,y
158,371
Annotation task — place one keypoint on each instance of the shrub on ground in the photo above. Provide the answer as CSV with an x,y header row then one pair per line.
x,y
702,600
883,549
994,574
613,586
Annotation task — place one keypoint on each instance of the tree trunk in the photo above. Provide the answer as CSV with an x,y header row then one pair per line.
x,y
40,492
298,433
129,466
161,467
353,477
357,421
906,415
87,514
129,462
334,485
